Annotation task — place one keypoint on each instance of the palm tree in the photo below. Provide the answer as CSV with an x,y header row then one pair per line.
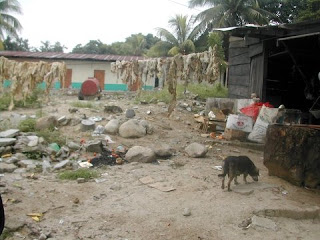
x,y
181,40
9,24
227,13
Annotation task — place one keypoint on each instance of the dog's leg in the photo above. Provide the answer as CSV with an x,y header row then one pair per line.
x,y
222,186
245,177
231,176
235,180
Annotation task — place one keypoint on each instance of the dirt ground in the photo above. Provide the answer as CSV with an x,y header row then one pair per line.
x,y
119,206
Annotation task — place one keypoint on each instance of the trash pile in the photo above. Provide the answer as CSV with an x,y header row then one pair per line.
x,y
110,157
231,120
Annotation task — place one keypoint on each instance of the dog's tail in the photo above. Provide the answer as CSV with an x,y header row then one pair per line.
x,y
221,175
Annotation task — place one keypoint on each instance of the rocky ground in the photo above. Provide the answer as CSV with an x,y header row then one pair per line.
x,y
175,197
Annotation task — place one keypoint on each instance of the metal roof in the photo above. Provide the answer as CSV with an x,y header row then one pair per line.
x,y
267,31
69,56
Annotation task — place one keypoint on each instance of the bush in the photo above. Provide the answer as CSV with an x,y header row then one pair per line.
x,y
27,125
52,136
79,173
205,91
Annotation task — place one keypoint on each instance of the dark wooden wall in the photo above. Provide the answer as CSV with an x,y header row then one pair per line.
x,y
246,67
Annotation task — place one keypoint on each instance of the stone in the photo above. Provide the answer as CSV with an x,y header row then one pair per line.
x,y
73,110
11,133
196,150
161,104
99,131
26,163
64,152
94,146
186,212
11,160
81,180
163,150
112,109
147,126
73,145
140,154
87,125
112,127
130,113
42,236
75,121
61,164
46,122
7,167
7,141
33,141
264,223
132,129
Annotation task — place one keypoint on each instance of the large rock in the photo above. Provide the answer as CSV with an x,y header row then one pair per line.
x,y
196,150
7,141
132,129
163,150
46,122
94,146
9,133
140,154
7,167
293,153
112,127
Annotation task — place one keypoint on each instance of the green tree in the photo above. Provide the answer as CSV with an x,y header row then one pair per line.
x,y
181,40
92,47
227,13
286,11
312,11
17,44
9,25
215,39
137,43
47,47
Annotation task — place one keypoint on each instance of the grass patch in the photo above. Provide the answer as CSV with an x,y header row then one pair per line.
x,y
52,136
27,125
83,104
203,90
6,234
32,101
4,101
79,173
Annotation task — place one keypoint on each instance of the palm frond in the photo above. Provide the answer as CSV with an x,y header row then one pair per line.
x,y
168,36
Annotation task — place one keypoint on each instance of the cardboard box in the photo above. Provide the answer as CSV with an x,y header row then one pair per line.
x,y
232,134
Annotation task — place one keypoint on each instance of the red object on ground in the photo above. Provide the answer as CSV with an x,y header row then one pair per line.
x,y
253,109
90,87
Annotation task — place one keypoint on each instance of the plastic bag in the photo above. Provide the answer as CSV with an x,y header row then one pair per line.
x,y
253,109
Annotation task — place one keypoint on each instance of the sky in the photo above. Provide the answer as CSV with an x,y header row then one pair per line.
x,y
73,22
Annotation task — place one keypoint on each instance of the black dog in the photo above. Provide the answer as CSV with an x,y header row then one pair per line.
x,y
234,166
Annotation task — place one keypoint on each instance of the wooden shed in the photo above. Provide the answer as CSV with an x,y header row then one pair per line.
x,y
279,63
